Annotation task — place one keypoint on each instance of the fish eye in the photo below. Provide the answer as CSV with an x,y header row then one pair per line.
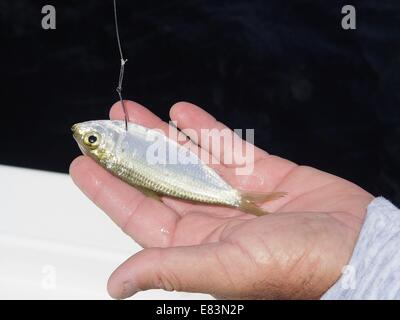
x,y
92,140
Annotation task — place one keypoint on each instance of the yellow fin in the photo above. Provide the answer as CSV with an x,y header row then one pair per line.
x,y
249,202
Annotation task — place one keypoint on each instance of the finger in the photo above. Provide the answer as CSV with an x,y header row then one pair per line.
x,y
261,173
147,221
204,268
205,130
137,114
143,116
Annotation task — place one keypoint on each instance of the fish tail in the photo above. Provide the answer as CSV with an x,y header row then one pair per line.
x,y
250,202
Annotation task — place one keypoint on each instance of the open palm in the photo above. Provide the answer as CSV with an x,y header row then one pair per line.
x,y
296,252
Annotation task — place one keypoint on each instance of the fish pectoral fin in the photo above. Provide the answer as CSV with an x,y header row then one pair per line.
x,y
250,201
149,193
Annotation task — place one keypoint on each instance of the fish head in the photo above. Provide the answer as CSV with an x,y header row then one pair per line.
x,y
94,138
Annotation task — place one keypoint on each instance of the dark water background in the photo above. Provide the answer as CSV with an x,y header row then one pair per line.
x,y
313,92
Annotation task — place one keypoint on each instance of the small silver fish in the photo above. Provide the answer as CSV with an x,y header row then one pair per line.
x,y
133,155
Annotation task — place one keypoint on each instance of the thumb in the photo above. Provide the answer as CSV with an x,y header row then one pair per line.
x,y
207,268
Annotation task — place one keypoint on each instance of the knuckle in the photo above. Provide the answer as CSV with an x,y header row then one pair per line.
x,y
165,278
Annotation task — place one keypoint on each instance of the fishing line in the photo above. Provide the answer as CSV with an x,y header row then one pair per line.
x,y
122,69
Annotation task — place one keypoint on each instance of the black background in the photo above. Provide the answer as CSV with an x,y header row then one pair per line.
x,y
313,92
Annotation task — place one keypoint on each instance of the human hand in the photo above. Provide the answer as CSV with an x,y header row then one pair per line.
x,y
296,252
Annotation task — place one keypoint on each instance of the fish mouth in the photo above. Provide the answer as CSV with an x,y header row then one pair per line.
x,y
76,135
75,131
74,128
